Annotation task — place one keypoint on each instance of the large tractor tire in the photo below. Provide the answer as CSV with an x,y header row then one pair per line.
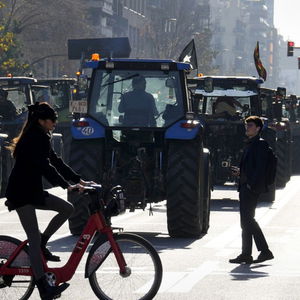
x,y
183,187
0,170
65,130
6,166
57,144
295,155
206,179
282,163
86,158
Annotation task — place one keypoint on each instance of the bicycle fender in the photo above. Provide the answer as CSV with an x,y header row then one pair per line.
x,y
97,255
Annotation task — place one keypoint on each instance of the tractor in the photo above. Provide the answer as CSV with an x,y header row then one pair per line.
x,y
224,102
19,91
153,147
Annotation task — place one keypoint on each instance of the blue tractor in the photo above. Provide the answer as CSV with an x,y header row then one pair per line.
x,y
137,128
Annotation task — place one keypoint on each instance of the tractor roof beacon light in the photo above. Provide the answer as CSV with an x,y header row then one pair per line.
x,y
290,48
95,57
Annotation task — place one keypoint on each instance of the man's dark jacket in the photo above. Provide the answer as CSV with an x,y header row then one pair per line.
x,y
35,159
139,108
253,165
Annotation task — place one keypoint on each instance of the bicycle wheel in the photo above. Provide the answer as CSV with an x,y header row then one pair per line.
x,y
144,271
14,287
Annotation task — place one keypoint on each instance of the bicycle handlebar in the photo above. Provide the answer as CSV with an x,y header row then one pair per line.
x,y
110,201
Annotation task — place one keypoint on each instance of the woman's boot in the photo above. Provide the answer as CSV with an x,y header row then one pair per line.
x,y
48,292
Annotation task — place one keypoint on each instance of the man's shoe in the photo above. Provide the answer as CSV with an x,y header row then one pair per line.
x,y
263,256
49,256
242,259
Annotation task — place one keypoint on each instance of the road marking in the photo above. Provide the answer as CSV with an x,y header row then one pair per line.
x,y
170,279
191,279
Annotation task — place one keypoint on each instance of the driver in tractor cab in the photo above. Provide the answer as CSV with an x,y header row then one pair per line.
x,y
8,111
138,106
226,106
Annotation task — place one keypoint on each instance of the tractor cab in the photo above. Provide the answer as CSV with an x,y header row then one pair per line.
x,y
135,126
224,102
225,97
16,95
17,92
58,92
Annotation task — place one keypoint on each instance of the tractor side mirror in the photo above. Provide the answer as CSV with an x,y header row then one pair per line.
x,y
170,83
281,91
208,85
245,108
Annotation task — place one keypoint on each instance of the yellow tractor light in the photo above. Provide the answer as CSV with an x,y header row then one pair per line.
x,y
95,57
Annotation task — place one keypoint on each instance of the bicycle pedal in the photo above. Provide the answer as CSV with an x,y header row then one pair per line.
x,y
57,296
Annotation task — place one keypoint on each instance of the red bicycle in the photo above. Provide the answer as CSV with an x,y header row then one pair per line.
x,y
119,265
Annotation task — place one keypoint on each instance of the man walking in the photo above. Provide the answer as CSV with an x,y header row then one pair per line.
x,y
252,183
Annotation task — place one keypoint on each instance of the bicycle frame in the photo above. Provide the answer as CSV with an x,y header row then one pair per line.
x,y
95,223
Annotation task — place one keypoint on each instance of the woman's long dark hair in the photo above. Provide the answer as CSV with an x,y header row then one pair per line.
x,y
39,110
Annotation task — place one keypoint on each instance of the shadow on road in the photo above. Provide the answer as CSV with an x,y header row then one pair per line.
x,y
159,240
247,272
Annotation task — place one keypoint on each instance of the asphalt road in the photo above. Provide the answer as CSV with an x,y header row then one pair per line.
x,y
199,269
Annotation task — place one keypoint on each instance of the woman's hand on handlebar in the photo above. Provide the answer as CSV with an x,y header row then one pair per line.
x,y
86,183
76,187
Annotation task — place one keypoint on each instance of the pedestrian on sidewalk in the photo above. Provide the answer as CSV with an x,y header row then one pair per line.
x,y
252,182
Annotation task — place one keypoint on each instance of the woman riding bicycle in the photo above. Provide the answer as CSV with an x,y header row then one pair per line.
x,y
35,158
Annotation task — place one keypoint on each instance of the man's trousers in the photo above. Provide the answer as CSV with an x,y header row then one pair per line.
x,y
250,228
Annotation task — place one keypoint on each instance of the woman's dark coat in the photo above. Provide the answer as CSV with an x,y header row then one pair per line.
x,y
35,158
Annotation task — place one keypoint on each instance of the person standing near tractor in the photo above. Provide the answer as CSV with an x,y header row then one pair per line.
x,y
252,182
8,111
138,106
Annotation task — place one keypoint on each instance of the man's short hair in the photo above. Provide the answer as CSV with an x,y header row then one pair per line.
x,y
256,120
138,81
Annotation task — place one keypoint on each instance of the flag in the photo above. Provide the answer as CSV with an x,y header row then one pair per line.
x,y
189,55
258,64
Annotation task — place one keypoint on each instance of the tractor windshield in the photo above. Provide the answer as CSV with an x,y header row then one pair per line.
x,y
57,94
136,98
232,106
18,97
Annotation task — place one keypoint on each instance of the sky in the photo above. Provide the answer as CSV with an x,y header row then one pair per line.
x,y
287,19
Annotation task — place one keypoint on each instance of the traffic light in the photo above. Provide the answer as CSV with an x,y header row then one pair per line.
x,y
290,48
299,63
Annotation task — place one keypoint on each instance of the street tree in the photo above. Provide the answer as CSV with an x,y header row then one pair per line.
x,y
11,60
44,27
169,28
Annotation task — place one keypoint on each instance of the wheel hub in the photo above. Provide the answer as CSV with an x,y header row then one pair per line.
x,y
127,272
51,278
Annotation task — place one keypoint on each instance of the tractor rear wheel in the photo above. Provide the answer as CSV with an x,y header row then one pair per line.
x,y
206,189
6,167
86,158
183,187
282,165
